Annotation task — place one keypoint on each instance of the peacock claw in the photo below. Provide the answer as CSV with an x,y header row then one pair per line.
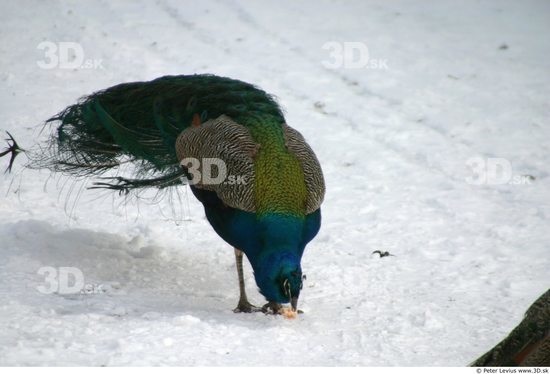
x,y
246,307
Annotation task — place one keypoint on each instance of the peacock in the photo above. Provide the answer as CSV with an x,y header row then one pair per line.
x,y
260,183
528,344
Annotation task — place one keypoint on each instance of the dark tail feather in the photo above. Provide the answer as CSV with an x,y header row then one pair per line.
x,y
13,150
125,185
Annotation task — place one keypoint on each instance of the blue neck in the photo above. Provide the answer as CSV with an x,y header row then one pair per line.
x,y
280,238
273,243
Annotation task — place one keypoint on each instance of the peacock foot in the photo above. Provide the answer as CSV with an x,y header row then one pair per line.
x,y
272,308
276,308
246,307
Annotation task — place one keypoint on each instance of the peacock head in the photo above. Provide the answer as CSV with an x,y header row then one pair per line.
x,y
291,281
277,262
281,280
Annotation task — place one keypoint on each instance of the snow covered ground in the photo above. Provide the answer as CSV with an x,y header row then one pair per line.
x,y
454,80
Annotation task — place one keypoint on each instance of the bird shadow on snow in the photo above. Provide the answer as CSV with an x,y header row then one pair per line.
x,y
120,277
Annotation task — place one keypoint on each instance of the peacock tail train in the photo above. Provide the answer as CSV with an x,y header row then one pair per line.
x,y
154,125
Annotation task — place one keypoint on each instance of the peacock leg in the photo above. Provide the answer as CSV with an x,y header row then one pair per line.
x,y
244,306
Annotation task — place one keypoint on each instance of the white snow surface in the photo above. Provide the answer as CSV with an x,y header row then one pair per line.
x,y
464,79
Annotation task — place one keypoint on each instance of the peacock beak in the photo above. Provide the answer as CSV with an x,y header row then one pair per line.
x,y
294,303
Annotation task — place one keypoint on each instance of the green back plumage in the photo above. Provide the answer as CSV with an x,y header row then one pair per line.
x,y
279,184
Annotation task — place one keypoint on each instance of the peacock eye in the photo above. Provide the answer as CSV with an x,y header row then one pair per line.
x,y
286,287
